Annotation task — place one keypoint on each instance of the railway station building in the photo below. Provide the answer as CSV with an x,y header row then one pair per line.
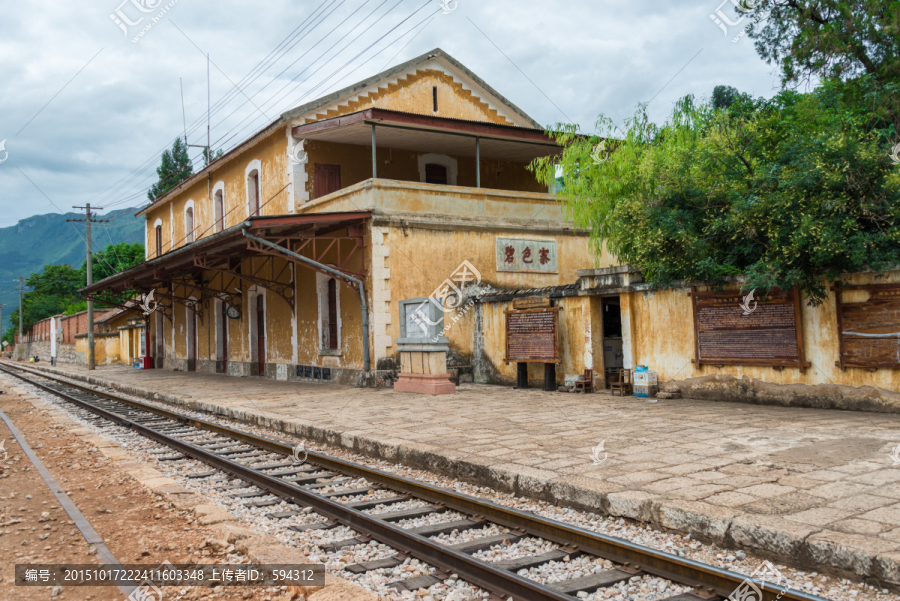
x,y
291,257
288,257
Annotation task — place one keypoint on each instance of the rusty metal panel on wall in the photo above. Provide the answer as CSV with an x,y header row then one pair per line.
x,y
518,254
869,325
532,335
735,329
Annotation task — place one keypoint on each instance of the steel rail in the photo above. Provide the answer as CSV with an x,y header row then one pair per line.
x,y
709,579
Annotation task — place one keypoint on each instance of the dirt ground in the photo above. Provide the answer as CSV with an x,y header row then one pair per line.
x,y
137,527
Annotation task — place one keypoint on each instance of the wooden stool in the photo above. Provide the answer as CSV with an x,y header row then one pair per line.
x,y
588,384
623,383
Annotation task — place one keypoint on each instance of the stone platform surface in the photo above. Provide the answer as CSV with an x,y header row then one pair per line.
x,y
808,487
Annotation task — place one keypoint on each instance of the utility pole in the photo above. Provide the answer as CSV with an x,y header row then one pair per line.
x,y
90,277
21,288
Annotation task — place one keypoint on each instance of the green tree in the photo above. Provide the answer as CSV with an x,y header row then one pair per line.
x,y
841,39
795,190
215,156
175,167
724,96
54,289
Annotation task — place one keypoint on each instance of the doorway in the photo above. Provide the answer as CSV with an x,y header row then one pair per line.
x,y
191,339
223,334
613,352
260,335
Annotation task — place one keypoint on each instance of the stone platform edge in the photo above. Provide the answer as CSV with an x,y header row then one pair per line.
x,y
772,537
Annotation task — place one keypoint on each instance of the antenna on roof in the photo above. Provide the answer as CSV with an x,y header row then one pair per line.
x,y
183,114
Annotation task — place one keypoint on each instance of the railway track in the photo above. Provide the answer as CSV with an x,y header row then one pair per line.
x,y
269,475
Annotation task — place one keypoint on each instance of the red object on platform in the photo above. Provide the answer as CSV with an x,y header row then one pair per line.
x,y
425,383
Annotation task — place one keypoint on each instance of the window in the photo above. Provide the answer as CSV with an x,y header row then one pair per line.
x,y
435,174
253,178
189,225
434,98
158,229
253,192
328,179
329,294
332,315
219,210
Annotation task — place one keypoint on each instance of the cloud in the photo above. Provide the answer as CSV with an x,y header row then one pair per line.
x,y
100,136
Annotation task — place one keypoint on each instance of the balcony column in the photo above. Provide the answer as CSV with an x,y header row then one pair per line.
x,y
374,162
477,162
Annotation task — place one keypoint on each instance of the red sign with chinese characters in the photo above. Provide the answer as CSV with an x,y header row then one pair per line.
x,y
519,254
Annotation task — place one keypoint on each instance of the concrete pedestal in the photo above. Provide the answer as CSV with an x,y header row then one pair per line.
x,y
424,372
425,383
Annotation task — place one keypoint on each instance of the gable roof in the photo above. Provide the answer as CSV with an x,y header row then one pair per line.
x,y
436,56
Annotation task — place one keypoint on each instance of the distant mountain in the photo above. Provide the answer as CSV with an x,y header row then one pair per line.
x,y
48,240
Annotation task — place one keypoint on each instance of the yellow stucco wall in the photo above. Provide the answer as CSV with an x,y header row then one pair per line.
x,y
421,259
106,348
662,331
270,151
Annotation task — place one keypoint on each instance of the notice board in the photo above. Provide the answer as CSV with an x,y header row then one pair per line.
x,y
868,327
729,330
532,335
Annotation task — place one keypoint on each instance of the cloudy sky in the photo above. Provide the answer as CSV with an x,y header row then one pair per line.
x,y
86,106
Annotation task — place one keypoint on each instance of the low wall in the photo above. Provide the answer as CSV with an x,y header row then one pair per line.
x,y
106,348
65,353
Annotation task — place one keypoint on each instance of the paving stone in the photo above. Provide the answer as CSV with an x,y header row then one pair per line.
x,y
837,490
695,492
729,498
847,551
699,519
889,515
766,490
632,504
819,516
770,533
857,526
794,502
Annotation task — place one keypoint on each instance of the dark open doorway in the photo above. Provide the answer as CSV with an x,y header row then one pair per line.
x,y
613,357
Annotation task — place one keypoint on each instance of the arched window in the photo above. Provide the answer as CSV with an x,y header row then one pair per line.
x,y
157,229
253,191
329,313
189,225
219,210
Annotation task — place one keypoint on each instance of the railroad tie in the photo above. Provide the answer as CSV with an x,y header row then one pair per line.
x,y
480,544
445,527
592,582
